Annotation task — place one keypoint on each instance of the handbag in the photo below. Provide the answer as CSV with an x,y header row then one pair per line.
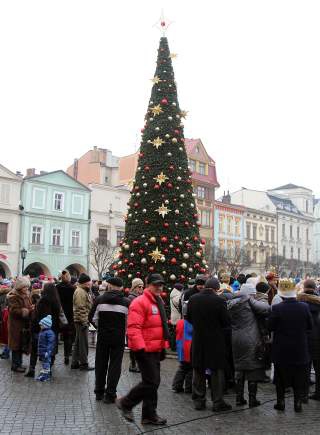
x,y
63,322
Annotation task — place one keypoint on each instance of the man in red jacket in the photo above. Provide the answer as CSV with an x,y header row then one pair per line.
x,y
148,336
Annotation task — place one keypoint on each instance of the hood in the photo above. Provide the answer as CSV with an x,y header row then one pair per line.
x,y
237,300
307,297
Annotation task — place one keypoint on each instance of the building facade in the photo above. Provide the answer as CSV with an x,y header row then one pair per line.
x,y
204,180
10,187
54,224
316,231
108,209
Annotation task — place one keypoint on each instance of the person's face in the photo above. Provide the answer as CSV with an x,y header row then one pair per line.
x,y
200,286
87,285
156,289
140,289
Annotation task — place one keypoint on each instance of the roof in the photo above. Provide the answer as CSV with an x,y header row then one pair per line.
x,y
284,204
190,145
290,186
55,172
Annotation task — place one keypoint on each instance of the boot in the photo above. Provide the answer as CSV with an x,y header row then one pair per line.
x,y
252,388
240,400
280,405
298,405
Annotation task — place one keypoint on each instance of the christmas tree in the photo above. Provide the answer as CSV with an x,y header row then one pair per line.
x,y
162,233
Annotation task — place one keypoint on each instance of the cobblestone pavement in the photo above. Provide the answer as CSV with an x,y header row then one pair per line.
x,y
67,405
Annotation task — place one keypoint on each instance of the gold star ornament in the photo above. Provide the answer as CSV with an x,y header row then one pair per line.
x,y
156,255
183,114
156,110
156,80
157,142
163,210
161,178
173,55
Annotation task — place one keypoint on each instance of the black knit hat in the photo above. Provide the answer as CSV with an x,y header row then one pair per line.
x,y
83,278
117,282
212,283
262,287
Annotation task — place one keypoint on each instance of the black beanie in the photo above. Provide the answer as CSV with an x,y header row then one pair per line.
x,y
213,283
117,282
83,278
262,287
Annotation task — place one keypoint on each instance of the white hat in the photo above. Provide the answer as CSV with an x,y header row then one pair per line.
x,y
248,289
22,282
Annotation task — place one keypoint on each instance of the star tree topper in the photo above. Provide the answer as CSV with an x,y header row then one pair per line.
x,y
156,255
161,178
156,110
157,142
163,210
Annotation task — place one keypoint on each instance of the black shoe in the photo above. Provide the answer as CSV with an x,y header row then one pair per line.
x,y
66,360
178,390
134,369
29,374
280,405
187,391
266,380
298,406
223,406
86,368
75,366
99,396
109,399
315,396
18,369
156,420
199,406
305,400
240,401
253,402
126,413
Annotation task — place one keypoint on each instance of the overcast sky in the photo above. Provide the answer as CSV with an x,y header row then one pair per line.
x,y
77,73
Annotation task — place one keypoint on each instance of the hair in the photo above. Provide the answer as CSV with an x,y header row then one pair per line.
x,y
50,293
241,278
262,287
34,298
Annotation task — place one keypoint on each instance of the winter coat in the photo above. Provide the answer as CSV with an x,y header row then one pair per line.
x,y
46,344
4,326
82,304
184,340
17,301
290,321
66,291
313,302
175,297
132,295
246,337
208,314
43,308
145,329
109,313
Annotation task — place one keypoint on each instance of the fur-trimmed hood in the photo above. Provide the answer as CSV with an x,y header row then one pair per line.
x,y
309,298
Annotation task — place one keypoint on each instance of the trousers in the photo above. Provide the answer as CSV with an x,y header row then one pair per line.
x,y
199,386
81,346
108,366
16,359
183,377
147,390
34,351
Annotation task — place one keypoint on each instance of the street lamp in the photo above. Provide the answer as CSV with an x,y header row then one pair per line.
x,y
262,249
23,254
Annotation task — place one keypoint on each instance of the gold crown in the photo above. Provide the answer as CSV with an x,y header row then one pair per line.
x,y
286,285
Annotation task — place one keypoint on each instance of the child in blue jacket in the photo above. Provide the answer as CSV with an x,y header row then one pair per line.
x,y
46,347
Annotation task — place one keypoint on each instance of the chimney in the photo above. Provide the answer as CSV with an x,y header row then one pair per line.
x,y
31,172
19,174
75,169
43,172
226,199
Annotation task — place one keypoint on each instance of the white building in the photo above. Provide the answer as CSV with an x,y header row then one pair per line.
x,y
108,209
316,231
293,208
10,187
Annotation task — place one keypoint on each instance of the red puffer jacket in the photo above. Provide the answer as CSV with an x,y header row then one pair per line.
x,y
145,329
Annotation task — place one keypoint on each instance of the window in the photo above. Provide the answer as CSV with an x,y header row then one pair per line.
x,y
267,234
120,236
284,252
56,237
221,223
77,204
307,234
200,192
192,164
248,230
229,225
205,218
103,236
202,168
237,226
3,232
4,193
307,206
298,233
197,149
283,230
291,232
254,257
272,234
38,198
58,201
299,254
308,255
75,239
254,231
36,235
291,252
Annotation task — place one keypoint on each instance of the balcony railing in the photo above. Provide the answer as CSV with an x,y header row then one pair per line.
x,y
75,251
33,247
56,249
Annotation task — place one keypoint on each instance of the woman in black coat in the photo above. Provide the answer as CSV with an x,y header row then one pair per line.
x,y
310,297
290,321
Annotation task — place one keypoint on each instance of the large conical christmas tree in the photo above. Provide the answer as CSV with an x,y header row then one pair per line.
x,y
162,233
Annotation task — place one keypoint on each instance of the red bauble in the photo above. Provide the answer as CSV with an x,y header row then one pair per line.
x,y
141,251
166,225
169,185
142,130
171,167
177,132
146,222
136,188
164,101
163,294
196,238
136,204
164,239
130,264
186,224
138,274
176,237
166,250
197,265
177,250
141,154
203,270
151,268
156,186
188,245
203,241
195,216
199,225
147,168
173,261
182,277
125,260
114,267
135,242
120,254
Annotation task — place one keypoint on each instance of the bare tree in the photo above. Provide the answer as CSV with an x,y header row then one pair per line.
x,y
102,256
233,261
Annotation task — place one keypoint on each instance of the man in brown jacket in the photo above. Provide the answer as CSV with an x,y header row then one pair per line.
x,y
20,308
82,304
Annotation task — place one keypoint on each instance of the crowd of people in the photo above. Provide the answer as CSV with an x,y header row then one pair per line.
x,y
226,332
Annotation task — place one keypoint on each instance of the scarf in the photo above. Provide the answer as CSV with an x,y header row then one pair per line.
x,y
164,320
